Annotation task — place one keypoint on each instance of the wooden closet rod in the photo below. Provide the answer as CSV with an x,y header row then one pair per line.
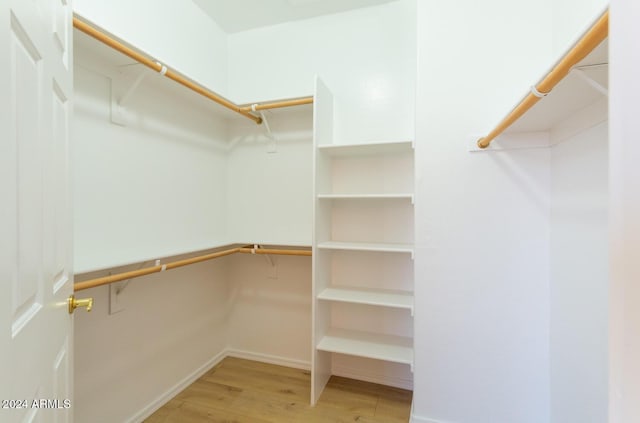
x,y
278,104
594,36
116,45
276,252
105,280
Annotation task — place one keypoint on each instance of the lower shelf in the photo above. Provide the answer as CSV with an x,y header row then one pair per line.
x,y
397,349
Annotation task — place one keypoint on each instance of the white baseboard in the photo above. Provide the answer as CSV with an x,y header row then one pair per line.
x,y
176,389
270,359
417,419
351,373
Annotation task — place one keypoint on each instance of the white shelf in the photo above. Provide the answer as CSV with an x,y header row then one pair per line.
x,y
275,244
368,149
377,297
101,58
367,246
571,95
399,196
397,349
123,257
163,255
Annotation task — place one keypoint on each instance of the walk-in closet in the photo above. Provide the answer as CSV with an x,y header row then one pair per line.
x,y
312,211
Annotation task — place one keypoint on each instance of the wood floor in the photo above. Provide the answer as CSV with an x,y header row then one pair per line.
x,y
243,391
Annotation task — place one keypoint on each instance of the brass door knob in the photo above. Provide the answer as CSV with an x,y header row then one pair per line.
x,y
83,302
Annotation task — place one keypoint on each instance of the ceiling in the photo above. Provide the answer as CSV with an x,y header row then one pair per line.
x,y
241,15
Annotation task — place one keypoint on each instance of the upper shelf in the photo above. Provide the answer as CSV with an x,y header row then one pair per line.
x,y
575,82
569,96
96,45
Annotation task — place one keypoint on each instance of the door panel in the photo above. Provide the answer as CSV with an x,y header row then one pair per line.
x,y
61,381
36,338
56,193
26,80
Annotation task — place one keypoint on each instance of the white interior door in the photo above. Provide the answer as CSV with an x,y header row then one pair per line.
x,y
35,222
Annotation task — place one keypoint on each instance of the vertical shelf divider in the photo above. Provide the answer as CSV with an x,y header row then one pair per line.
x,y
321,265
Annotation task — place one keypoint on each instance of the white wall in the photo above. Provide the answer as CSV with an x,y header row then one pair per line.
x,y
366,56
270,202
570,19
154,188
173,325
579,278
145,190
269,183
624,209
177,33
271,315
482,219
158,186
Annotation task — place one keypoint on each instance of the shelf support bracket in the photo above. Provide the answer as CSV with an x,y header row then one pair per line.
x,y
273,266
579,71
272,146
127,94
120,97
115,289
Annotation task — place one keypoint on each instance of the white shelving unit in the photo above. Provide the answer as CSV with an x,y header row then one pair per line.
x,y
363,250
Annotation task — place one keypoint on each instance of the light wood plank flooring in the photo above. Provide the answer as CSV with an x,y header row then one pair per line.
x,y
243,391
